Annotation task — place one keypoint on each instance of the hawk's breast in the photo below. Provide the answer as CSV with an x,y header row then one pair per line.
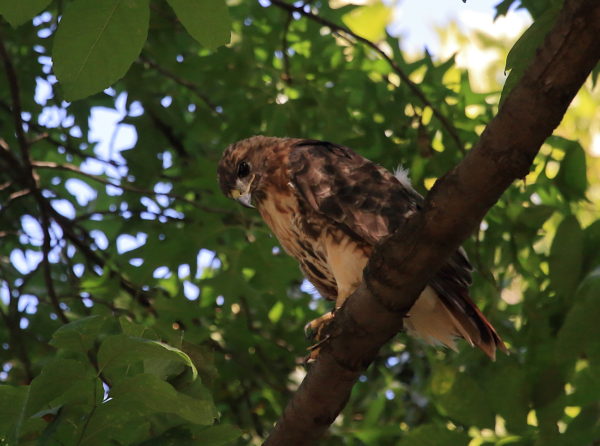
x,y
301,238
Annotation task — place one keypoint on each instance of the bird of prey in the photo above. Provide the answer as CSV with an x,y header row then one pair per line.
x,y
329,206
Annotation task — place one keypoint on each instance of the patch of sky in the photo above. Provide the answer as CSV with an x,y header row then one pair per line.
x,y
28,303
64,207
190,291
162,272
82,191
415,22
127,242
25,261
78,269
4,293
32,230
100,239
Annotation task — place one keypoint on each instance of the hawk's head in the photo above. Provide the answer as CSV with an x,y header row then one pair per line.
x,y
243,166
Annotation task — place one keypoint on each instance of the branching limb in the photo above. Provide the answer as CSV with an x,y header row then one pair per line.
x,y
401,266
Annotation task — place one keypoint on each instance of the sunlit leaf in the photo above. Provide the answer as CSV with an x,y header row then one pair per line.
x,y
369,21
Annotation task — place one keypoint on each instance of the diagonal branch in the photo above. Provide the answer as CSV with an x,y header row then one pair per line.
x,y
17,112
401,266
343,31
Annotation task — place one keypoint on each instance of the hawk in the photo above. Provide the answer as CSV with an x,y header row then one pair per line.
x,y
329,206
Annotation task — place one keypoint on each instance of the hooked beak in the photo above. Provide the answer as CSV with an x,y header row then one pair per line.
x,y
244,199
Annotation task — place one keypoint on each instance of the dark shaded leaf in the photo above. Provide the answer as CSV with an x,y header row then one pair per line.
x,y
89,53
566,256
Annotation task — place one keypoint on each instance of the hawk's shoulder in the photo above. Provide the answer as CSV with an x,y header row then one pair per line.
x,y
348,189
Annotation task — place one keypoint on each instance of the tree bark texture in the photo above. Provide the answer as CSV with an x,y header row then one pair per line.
x,y
402,264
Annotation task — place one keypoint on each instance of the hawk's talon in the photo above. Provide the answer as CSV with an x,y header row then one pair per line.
x,y
318,330
319,343
315,329
315,349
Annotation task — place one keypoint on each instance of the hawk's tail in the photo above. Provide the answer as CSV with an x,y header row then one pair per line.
x,y
440,321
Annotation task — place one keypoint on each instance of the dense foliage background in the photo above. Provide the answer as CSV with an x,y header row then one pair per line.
x,y
139,306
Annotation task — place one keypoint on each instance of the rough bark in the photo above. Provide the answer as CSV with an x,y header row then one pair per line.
x,y
401,266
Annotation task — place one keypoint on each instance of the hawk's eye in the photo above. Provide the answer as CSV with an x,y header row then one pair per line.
x,y
243,169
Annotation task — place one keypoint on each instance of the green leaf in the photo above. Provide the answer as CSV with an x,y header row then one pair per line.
x,y
207,21
591,253
434,435
374,412
523,51
369,21
61,380
130,328
276,311
460,397
566,257
572,176
120,350
506,388
96,42
503,7
12,409
219,435
17,12
151,394
78,335
580,331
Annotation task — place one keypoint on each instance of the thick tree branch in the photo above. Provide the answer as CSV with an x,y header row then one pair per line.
x,y
401,266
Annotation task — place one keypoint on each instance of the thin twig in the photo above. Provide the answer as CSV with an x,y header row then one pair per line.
x,y
46,246
126,187
121,214
183,82
452,131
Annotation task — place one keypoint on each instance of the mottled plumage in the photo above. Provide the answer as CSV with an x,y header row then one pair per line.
x,y
329,206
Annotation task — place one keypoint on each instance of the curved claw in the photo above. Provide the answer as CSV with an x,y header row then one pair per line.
x,y
314,330
315,349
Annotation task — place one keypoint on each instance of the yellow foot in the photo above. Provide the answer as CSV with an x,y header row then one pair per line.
x,y
319,331
315,329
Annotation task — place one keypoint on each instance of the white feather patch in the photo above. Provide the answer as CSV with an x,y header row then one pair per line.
x,y
401,175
